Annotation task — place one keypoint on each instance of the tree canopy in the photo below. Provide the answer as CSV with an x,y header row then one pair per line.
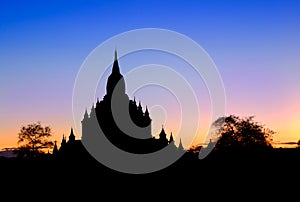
x,y
236,132
34,139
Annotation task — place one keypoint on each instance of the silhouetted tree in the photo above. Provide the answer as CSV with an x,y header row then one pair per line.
x,y
235,132
33,139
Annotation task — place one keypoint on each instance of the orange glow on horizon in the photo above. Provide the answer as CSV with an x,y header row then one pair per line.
x,y
284,122
289,133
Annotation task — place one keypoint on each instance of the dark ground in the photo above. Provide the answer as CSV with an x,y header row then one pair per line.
x,y
239,175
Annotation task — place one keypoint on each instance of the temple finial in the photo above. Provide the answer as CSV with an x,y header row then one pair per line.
x,y
116,69
116,54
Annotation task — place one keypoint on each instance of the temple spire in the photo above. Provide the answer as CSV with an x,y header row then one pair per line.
x,y
116,55
63,141
146,111
116,69
55,149
71,136
114,78
171,138
180,147
86,116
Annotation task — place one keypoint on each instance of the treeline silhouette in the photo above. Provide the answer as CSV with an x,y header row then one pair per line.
x,y
241,143
244,168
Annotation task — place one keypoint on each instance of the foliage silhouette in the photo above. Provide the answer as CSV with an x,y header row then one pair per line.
x,y
34,140
237,133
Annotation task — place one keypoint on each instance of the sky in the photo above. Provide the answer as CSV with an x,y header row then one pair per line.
x,y
254,44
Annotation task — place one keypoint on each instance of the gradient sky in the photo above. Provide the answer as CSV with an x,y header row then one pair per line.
x,y
255,45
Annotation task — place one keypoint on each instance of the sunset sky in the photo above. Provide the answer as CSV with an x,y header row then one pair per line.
x,y
254,44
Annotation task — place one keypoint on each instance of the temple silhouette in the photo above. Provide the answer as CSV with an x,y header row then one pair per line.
x,y
122,120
